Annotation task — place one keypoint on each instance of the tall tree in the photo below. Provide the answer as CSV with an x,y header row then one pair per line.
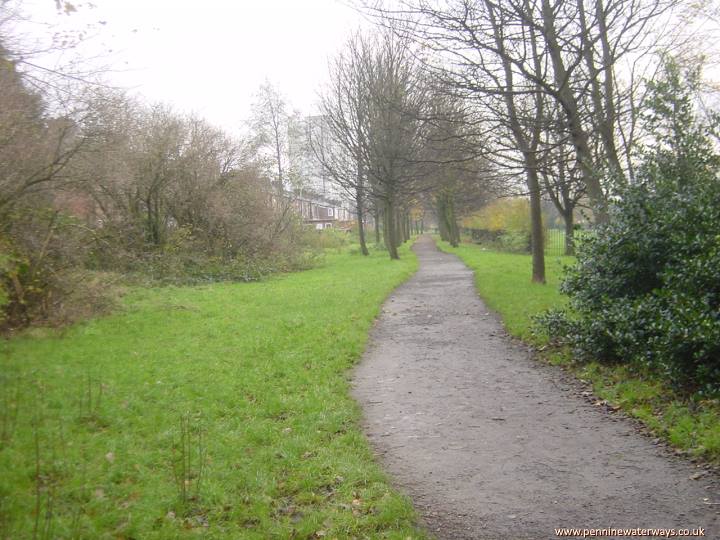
x,y
397,93
270,124
35,145
340,136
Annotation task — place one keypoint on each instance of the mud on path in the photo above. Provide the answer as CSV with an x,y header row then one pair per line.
x,y
490,444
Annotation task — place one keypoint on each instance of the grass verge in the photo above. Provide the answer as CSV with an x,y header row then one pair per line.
x,y
218,411
503,281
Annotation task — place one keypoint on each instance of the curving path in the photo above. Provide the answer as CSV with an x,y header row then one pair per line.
x,y
490,444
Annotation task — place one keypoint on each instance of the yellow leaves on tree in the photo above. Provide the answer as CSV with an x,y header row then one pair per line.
x,y
511,215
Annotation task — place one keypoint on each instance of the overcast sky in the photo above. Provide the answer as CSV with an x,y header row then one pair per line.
x,y
208,56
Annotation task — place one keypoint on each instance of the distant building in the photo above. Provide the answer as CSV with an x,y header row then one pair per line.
x,y
323,212
320,201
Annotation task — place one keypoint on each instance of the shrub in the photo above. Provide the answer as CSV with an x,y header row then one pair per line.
x,y
514,242
40,250
327,238
646,289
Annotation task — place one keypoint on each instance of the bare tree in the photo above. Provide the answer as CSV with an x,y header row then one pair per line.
x,y
156,176
269,122
35,146
515,59
451,162
340,136
397,93
561,180
372,112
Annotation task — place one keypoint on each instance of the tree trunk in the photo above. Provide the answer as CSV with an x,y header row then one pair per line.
x,y
528,149
390,229
569,233
609,82
536,230
385,229
602,97
360,212
447,223
442,222
400,234
451,221
376,218
361,226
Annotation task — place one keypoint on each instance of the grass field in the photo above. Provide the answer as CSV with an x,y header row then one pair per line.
x,y
217,411
503,281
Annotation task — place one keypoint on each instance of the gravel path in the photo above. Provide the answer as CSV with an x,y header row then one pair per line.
x,y
490,444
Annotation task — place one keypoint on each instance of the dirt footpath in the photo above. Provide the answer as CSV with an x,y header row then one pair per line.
x,y
490,444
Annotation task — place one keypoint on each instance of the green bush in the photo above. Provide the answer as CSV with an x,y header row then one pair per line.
x,y
646,289
514,242
187,258
501,240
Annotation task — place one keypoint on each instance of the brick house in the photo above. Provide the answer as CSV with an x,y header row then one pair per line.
x,y
323,212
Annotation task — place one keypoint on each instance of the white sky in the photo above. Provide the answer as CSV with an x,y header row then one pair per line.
x,y
210,56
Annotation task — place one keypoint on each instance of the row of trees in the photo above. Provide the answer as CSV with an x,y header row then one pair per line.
x,y
394,139
455,101
447,105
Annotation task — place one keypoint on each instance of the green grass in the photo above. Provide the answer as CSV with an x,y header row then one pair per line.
x,y
503,281
217,411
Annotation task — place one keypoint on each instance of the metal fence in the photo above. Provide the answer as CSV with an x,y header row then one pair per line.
x,y
554,240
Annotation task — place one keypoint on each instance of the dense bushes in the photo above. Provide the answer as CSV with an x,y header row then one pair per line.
x,y
102,183
500,240
646,288
42,265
